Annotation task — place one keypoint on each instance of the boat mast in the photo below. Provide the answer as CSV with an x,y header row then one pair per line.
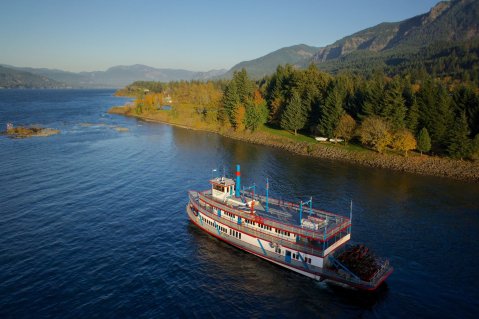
x,y
351,216
238,181
267,191
310,202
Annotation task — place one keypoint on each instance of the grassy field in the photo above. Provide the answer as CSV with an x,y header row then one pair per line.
x,y
278,132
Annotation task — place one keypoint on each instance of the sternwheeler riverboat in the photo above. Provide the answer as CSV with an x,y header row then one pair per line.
x,y
299,237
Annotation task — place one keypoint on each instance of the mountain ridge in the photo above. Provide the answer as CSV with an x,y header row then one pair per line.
x,y
113,77
452,22
391,46
446,21
265,65
11,78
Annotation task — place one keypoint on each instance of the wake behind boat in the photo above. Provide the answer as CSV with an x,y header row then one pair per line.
x,y
299,237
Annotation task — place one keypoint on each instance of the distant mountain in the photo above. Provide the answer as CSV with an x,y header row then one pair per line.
x,y
209,74
119,76
445,41
114,77
123,75
420,41
68,79
258,68
10,78
447,21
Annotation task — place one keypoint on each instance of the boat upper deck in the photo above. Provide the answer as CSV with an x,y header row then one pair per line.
x,y
282,215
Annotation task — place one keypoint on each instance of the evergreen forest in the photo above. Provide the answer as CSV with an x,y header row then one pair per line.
x,y
429,114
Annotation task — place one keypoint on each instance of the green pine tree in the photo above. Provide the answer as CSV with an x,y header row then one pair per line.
x,y
231,102
277,92
435,113
331,112
244,86
293,117
458,144
412,117
423,141
443,117
255,116
466,99
393,108
373,96
474,153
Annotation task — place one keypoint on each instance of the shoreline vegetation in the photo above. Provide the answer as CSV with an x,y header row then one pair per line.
x,y
415,163
29,131
412,122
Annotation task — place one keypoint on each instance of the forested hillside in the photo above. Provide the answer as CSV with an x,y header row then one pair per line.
x,y
10,78
298,55
401,113
443,41
459,61
448,21
378,111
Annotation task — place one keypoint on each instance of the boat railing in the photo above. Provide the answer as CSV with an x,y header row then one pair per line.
x,y
374,279
345,276
385,267
320,235
340,221
295,206
270,238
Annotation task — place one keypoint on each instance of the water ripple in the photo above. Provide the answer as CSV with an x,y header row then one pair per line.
x,y
93,224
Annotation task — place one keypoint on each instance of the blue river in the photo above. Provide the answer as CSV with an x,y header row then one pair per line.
x,y
93,224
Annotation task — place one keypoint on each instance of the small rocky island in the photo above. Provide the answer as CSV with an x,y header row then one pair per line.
x,y
28,131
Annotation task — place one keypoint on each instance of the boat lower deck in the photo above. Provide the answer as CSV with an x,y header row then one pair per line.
x,y
296,236
259,247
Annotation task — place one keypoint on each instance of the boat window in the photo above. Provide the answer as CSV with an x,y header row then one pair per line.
x,y
218,188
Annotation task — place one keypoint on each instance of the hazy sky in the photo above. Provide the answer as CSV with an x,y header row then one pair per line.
x,y
87,35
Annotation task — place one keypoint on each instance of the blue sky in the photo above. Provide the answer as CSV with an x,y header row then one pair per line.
x,y
87,35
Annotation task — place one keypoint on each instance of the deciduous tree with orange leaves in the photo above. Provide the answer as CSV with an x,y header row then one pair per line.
x,y
403,140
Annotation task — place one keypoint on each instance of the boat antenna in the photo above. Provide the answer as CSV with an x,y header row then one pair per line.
x,y
267,194
350,216
324,236
301,212
310,205
310,202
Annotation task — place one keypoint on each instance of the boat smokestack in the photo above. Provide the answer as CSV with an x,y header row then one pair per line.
x,y
238,181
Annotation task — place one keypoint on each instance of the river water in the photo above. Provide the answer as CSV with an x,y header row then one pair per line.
x,y
93,224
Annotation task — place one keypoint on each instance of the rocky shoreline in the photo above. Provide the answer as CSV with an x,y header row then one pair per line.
x,y
422,165
33,131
